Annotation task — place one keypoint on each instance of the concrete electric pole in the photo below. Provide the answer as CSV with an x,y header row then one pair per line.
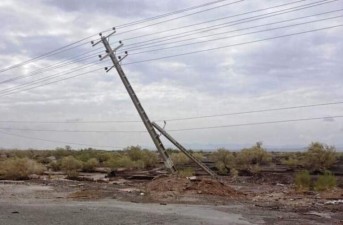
x,y
148,124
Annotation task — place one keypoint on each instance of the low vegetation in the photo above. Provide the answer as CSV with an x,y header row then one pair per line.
x,y
90,165
250,159
302,181
325,182
20,168
179,158
71,166
320,157
224,160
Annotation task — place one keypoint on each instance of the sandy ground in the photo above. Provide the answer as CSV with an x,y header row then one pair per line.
x,y
128,202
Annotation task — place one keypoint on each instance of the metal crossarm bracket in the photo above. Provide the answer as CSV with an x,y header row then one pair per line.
x,y
112,51
107,36
108,69
121,58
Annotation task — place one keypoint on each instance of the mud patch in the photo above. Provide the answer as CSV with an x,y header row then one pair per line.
x,y
180,185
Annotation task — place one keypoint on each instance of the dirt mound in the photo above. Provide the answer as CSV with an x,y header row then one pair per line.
x,y
183,185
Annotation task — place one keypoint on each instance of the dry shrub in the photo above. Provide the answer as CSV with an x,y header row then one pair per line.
x,y
302,181
179,158
223,160
251,159
142,158
198,155
90,165
320,157
293,162
55,165
70,166
20,168
325,182
122,161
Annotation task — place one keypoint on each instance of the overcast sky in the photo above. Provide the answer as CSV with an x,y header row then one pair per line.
x,y
296,70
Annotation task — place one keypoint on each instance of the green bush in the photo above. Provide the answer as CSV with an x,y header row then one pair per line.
x,y
320,157
55,165
179,158
223,159
122,161
70,166
325,182
251,159
198,155
142,158
302,181
19,168
90,165
293,162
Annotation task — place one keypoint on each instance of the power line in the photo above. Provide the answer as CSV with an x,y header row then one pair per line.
x,y
85,53
175,130
56,75
172,19
53,66
228,37
52,82
305,6
257,123
61,64
154,44
233,45
255,111
87,57
170,14
83,58
70,46
199,51
178,119
59,142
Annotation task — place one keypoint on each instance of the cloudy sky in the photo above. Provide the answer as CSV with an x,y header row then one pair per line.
x,y
248,69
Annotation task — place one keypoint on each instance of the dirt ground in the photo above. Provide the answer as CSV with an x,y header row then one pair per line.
x,y
263,200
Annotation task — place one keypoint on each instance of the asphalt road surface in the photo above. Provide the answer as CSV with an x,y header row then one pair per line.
x,y
114,212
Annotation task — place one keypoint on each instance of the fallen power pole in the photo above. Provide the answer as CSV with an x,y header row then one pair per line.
x,y
146,121
182,149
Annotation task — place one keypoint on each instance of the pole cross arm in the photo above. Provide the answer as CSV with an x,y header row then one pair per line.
x,y
112,51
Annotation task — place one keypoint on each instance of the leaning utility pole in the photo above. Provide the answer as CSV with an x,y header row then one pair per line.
x,y
149,126
116,63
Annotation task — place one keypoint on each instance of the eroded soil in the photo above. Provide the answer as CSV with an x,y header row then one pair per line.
x,y
259,200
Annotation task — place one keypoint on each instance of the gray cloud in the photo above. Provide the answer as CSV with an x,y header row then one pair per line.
x,y
297,70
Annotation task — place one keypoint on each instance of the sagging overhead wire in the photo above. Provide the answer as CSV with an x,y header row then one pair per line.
x,y
53,82
78,42
325,118
188,34
56,66
47,78
233,36
182,118
180,17
202,50
233,45
60,142
159,43
300,7
245,20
